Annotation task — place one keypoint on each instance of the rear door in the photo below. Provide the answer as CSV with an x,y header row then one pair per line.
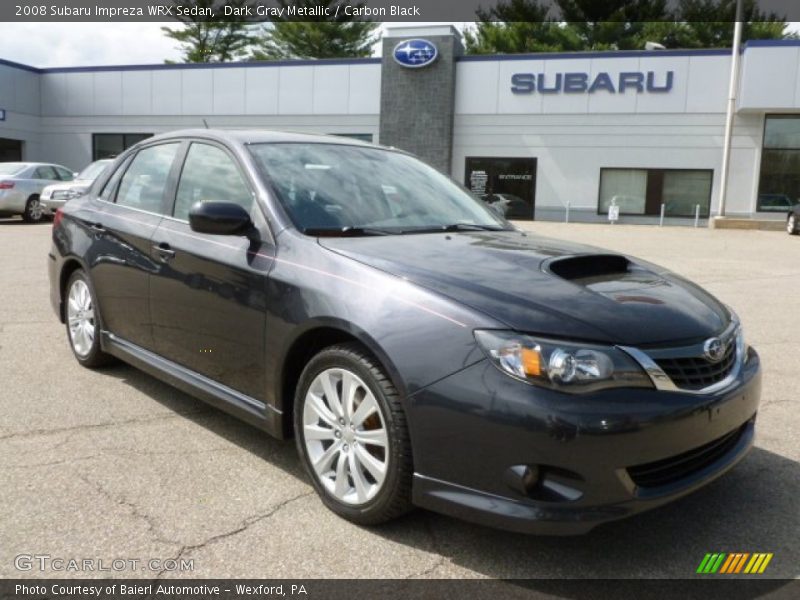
x,y
129,208
208,295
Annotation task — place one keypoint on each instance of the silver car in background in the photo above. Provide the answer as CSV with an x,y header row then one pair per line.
x,y
56,195
21,185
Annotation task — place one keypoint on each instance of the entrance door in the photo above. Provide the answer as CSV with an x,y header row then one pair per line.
x,y
506,184
10,150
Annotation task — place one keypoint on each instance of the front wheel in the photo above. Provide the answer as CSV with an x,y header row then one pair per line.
x,y
34,211
83,326
352,436
792,225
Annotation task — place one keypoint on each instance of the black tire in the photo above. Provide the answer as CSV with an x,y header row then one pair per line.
x,y
793,224
95,357
34,213
393,499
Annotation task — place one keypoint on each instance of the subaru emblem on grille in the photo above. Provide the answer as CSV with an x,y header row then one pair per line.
x,y
714,349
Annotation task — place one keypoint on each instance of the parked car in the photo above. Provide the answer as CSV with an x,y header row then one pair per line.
x,y
793,220
419,349
55,196
21,185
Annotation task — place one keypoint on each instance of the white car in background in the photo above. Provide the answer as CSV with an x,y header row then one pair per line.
x,y
21,185
55,196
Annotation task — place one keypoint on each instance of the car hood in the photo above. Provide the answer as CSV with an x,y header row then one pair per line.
x,y
548,287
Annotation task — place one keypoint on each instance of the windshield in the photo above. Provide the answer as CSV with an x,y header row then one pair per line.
x,y
338,189
11,168
93,171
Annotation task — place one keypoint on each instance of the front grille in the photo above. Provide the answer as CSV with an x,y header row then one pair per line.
x,y
697,372
675,468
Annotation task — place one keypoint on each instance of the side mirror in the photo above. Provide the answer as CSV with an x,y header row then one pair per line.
x,y
219,218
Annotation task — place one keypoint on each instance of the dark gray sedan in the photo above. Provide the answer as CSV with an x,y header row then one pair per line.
x,y
420,349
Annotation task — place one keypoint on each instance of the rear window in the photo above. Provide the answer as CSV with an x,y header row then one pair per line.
x,y
11,168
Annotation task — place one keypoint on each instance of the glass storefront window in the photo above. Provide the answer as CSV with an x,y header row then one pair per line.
x,y
779,183
643,191
683,191
627,188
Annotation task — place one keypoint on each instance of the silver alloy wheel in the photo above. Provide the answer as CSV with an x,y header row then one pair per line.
x,y
80,318
791,223
35,209
345,436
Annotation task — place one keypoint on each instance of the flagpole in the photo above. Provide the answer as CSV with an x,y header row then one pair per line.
x,y
734,84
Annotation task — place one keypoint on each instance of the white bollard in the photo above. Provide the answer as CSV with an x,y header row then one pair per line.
x,y
697,215
661,219
566,215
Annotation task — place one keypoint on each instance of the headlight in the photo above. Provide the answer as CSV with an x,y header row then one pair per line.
x,y
564,366
66,194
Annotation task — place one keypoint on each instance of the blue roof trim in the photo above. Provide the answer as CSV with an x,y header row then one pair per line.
x,y
771,43
599,54
323,62
15,65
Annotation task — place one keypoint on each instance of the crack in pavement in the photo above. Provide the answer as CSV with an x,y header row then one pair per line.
x,y
43,432
134,510
245,524
435,546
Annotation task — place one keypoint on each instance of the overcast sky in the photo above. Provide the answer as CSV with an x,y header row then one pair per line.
x,y
87,44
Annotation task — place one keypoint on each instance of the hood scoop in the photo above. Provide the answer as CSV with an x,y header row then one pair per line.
x,y
587,268
611,275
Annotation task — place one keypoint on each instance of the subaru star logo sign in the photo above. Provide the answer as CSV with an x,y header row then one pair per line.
x,y
415,53
714,349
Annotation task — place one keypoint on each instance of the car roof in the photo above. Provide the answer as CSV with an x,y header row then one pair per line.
x,y
257,136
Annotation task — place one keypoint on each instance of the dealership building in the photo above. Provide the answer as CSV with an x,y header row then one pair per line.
x,y
543,135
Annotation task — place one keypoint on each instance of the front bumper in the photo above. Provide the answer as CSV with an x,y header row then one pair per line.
x,y
52,204
599,457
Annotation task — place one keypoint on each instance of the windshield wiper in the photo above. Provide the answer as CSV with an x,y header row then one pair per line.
x,y
456,227
346,231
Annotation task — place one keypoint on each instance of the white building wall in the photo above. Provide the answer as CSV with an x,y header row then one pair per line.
x,y
318,98
19,97
574,136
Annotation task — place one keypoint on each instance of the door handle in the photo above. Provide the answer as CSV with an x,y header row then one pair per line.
x,y
165,253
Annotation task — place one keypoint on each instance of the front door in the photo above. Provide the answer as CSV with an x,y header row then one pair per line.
x,y
507,184
208,296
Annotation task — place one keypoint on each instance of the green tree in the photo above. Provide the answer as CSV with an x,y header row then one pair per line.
x,y
514,26
611,24
219,40
323,37
519,26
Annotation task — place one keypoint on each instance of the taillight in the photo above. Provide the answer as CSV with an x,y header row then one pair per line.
x,y
6,185
57,219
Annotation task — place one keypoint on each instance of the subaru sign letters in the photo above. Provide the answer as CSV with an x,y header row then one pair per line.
x,y
578,83
415,53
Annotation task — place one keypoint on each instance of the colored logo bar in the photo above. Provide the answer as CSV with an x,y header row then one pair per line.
x,y
735,563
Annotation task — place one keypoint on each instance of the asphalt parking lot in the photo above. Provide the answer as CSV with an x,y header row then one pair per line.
x,y
114,464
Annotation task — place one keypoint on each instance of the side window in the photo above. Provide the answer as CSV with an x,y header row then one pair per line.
x,y
48,173
64,174
108,189
210,175
143,184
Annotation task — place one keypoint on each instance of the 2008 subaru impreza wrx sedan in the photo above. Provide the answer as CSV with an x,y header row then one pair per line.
x,y
420,349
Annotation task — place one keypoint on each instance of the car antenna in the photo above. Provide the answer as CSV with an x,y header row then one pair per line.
x,y
205,123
